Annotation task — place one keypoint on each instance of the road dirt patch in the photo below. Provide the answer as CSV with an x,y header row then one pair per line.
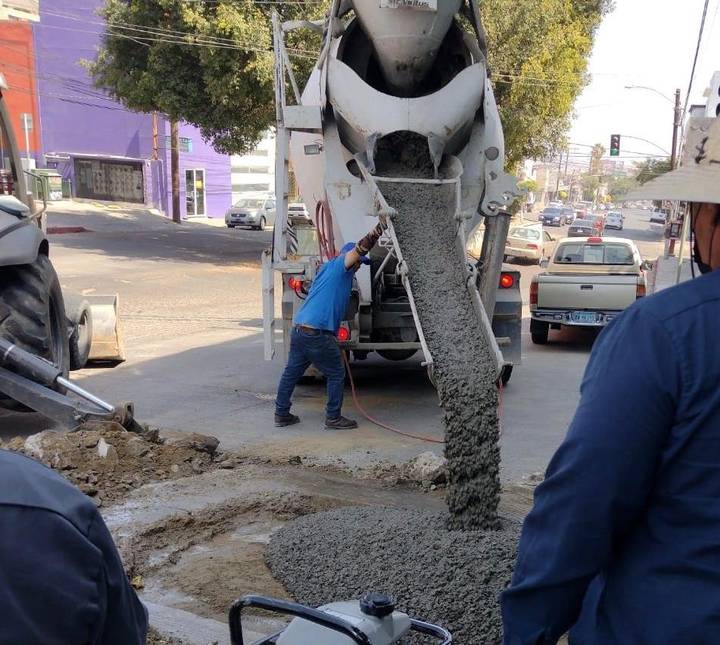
x,y
106,462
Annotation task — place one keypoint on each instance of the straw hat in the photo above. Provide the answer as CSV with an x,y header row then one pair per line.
x,y
698,177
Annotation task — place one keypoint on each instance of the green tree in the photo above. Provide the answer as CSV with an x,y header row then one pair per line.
x,y
590,184
596,155
619,186
538,51
651,168
529,185
209,62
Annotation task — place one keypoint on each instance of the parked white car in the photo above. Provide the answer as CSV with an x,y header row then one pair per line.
x,y
659,216
298,209
615,219
254,212
527,242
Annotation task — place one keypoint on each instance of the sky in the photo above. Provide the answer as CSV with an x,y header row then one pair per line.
x,y
651,43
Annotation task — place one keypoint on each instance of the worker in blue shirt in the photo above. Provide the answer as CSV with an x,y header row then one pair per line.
x,y
313,338
622,546
61,578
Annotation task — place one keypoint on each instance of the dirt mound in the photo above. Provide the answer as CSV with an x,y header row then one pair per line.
x,y
452,578
107,462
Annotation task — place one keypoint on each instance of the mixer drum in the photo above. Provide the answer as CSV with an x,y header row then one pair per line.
x,y
406,39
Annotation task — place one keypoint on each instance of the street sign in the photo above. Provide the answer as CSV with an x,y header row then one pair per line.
x,y
614,145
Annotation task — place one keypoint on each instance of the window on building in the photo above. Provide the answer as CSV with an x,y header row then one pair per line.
x,y
259,170
251,188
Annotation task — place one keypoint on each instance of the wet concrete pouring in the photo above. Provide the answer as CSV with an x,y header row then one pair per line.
x,y
443,567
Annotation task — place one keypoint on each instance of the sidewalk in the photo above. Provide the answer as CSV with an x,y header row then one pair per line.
x,y
665,273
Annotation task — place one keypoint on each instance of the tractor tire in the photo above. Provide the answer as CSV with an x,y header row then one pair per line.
x,y
539,332
79,316
32,314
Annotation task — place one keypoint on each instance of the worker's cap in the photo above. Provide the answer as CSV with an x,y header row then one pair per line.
x,y
349,247
698,177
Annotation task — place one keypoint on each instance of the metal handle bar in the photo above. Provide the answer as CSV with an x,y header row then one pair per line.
x,y
318,617
431,630
294,609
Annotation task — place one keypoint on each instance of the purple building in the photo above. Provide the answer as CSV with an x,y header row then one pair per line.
x,y
106,151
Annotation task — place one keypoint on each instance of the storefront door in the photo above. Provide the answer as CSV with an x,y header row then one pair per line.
x,y
195,192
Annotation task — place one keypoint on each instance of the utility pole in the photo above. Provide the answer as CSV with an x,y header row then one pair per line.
x,y
676,126
557,183
175,170
677,121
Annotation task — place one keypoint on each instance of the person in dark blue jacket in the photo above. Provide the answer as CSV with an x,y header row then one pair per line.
x,y
622,546
61,578
313,336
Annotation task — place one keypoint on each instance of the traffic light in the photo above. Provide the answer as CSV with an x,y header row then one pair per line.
x,y
614,145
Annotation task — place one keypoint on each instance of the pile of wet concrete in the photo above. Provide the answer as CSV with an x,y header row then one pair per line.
x,y
451,578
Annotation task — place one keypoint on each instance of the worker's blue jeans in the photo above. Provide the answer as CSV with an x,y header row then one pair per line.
x,y
322,351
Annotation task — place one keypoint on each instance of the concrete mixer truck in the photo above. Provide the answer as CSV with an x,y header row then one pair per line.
x,y
391,74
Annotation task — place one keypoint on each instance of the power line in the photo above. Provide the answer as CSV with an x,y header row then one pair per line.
x,y
697,53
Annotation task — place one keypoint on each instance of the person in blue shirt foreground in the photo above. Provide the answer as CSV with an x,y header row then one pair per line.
x,y
61,578
622,545
313,336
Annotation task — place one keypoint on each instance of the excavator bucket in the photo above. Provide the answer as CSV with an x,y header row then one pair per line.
x,y
106,337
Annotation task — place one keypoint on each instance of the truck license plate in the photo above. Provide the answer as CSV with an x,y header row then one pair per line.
x,y
422,5
584,317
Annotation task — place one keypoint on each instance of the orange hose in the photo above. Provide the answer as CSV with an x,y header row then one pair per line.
x,y
380,424
385,426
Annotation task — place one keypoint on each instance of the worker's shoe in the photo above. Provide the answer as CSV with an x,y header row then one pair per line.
x,y
284,420
341,423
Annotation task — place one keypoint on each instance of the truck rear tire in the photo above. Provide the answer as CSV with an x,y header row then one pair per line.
x,y
396,354
539,332
32,313
79,316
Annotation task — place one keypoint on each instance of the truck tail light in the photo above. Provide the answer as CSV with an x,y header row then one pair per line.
x,y
534,247
534,292
294,283
641,291
343,334
507,281
595,240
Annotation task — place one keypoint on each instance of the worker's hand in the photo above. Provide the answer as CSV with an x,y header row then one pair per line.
x,y
383,221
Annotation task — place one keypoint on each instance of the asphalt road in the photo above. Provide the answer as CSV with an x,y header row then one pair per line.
x,y
192,321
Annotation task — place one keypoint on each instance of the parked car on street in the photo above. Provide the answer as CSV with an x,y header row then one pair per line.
x,y
581,228
569,214
298,209
615,220
528,242
659,216
253,212
553,216
586,283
